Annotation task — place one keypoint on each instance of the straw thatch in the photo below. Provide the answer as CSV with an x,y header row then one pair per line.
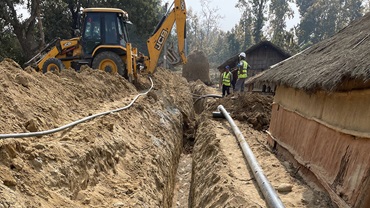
x,y
341,62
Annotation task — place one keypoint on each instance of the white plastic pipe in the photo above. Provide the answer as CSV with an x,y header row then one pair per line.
x,y
267,190
51,131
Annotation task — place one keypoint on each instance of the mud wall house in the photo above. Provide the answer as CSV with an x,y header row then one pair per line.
x,y
260,57
321,113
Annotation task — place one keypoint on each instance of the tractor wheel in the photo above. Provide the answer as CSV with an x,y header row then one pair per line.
x,y
52,64
109,62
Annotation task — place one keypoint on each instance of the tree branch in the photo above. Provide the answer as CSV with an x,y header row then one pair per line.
x,y
33,14
12,19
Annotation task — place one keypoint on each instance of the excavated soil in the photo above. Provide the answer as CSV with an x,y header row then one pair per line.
x,y
125,159
197,67
157,153
221,175
254,109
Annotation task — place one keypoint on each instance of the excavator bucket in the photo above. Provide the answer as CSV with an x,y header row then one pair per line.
x,y
172,57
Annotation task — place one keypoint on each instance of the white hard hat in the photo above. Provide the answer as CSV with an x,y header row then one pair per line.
x,y
242,54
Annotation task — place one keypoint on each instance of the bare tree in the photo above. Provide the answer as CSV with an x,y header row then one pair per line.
x,y
210,19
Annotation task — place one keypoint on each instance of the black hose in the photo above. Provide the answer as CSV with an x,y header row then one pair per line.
x,y
206,96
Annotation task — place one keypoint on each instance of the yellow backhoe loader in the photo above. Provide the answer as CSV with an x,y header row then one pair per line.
x,y
104,44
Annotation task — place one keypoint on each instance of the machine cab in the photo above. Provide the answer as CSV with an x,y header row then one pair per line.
x,y
103,26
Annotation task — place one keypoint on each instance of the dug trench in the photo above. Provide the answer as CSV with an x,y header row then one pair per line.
x,y
162,152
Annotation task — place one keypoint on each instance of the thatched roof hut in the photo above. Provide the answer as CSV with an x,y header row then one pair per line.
x,y
341,62
321,113
260,57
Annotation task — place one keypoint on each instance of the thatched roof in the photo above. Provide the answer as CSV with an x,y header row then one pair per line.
x,y
341,62
232,62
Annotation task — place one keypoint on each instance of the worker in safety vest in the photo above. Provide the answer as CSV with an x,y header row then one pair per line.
x,y
242,73
235,77
226,79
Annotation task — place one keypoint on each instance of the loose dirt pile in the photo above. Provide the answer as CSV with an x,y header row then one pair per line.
x,y
125,159
252,108
130,158
197,67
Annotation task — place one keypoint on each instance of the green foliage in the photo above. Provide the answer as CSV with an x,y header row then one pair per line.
x,y
144,14
233,44
57,20
280,11
10,47
60,17
23,29
256,9
243,31
323,18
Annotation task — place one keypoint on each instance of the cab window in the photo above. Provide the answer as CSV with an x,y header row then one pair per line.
x,y
91,36
92,27
121,33
111,31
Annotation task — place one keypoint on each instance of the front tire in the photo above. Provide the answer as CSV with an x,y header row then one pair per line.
x,y
109,62
51,65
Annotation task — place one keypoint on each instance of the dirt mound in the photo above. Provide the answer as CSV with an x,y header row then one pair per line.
x,y
125,159
197,67
49,100
251,107
128,158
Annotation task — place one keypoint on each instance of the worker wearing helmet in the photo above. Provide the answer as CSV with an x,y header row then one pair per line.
x,y
242,73
226,79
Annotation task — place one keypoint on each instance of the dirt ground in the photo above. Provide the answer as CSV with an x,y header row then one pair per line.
x,y
221,175
158,153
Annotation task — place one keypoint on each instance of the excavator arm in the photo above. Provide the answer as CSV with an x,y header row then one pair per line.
x,y
156,42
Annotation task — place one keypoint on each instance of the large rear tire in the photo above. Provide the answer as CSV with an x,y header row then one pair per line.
x,y
52,64
109,62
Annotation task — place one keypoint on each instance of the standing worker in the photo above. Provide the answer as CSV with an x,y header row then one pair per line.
x,y
234,74
226,78
242,73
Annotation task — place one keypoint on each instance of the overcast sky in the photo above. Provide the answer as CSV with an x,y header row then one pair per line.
x,y
225,8
229,12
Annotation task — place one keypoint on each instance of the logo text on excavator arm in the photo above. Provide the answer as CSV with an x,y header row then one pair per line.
x,y
161,39
182,5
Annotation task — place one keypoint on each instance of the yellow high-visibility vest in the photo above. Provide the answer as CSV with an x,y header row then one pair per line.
x,y
226,78
243,72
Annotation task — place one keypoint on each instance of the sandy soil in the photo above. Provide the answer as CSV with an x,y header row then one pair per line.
x,y
221,175
125,159
158,153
